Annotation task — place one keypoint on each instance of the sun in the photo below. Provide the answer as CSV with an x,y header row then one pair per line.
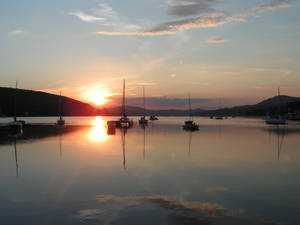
x,y
97,97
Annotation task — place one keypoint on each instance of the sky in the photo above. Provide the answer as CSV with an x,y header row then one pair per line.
x,y
229,51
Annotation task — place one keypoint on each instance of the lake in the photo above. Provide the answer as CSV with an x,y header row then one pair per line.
x,y
234,171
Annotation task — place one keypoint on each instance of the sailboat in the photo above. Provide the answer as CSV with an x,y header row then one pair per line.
x,y
219,117
276,120
143,120
124,121
60,121
189,124
16,125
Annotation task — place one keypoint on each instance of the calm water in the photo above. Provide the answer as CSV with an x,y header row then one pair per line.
x,y
235,171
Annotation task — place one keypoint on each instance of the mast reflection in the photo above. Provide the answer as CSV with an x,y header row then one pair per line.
x,y
280,133
123,135
143,126
60,149
16,158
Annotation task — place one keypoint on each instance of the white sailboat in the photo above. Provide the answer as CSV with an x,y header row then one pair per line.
x,y
219,117
124,121
16,125
60,121
189,124
276,120
143,120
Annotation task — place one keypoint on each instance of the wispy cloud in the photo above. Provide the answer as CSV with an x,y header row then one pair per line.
x,y
17,32
216,40
173,26
192,13
272,6
135,33
105,15
87,18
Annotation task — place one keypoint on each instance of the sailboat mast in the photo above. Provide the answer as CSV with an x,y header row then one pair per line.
x,y
144,101
15,102
123,102
60,107
279,107
190,107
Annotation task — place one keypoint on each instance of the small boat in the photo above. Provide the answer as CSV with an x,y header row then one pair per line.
x,y
189,124
16,127
153,117
124,121
60,121
143,120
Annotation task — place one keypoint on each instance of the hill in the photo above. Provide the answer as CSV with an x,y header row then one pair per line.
x,y
36,103
279,104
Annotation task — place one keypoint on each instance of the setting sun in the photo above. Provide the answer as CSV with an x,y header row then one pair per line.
x,y
97,97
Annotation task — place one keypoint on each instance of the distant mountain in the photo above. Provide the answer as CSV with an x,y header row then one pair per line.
x,y
278,104
36,103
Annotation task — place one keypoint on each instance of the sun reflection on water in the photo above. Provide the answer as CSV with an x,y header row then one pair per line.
x,y
98,132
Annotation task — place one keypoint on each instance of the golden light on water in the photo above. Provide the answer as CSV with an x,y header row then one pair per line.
x,y
98,132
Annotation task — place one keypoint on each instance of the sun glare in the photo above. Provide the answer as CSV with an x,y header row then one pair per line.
x,y
98,132
97,97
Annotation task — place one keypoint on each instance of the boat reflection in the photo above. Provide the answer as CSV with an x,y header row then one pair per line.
x,y
280,132
98,132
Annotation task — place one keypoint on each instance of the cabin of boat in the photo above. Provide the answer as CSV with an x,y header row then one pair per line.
x,y
143,120
190,125
153,117
124,122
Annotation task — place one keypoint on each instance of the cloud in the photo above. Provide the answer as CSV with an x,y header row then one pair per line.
x,y
17,32
272,6
135,33
196,13
185,8
173,26
216,40
105,16
87,18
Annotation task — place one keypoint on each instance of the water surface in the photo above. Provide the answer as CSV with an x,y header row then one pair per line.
x,y
235,171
